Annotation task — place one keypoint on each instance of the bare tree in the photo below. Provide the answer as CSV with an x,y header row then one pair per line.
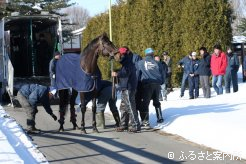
x,y
78,16
239,12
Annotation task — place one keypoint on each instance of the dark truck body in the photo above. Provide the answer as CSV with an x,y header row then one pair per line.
x,y
22,58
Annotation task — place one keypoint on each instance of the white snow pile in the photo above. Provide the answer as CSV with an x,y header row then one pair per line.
x,y
218,122
15,146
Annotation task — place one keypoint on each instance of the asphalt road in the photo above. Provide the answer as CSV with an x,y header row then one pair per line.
x,y
108,146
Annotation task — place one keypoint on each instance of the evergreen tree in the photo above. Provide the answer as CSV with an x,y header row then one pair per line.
x,y
29,7
35,7
242,27
165,25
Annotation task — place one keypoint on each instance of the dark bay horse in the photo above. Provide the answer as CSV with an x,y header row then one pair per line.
x,y
80,72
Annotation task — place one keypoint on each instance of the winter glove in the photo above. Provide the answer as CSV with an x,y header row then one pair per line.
x,y
54,117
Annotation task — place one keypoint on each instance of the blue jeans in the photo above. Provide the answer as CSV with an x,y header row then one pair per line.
x,y
163,92
231,77
217,84
104,97
184,80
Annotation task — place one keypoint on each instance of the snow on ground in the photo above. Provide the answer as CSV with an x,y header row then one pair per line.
x,y
218,122
16,146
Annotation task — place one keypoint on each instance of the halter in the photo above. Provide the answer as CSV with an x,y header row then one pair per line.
x,y
102,47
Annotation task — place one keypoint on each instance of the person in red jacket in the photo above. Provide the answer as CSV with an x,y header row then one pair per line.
x,y
218,67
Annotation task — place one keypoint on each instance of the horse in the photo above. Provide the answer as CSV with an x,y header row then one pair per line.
x,y
84,65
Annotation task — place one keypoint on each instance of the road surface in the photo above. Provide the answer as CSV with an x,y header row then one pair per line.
x,y
108,146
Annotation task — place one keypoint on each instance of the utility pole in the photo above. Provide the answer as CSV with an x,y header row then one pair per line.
x,y
110,22
111,60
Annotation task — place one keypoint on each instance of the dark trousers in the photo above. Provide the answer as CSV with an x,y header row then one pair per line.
x,y
193,86
150,91
138,97
204,82
231,77
30,111
184,80
168,81
128,109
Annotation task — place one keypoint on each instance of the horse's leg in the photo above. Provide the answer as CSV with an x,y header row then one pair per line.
x,y
94,108
83,109
63,95
72,109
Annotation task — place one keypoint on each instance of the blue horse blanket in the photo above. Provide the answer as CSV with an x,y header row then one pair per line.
x,y
69,74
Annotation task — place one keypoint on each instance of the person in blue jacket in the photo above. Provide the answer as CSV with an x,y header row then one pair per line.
x,y
193,77
231,71
244,66
127,85
29,96
184,63
151,75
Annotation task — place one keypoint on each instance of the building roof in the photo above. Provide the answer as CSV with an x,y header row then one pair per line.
x,y
239,39
78,31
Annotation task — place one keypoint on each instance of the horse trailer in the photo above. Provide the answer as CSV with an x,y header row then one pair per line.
x,y
27,44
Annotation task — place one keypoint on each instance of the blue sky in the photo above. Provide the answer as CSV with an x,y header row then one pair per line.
x,y
94,6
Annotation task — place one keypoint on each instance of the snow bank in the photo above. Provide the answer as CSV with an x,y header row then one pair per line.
x,y
16,146
218,122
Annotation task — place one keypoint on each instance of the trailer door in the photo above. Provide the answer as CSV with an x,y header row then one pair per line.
x,y
7,71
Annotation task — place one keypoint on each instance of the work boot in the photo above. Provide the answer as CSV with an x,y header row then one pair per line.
x,y
100,120
116,118
146,125
159,115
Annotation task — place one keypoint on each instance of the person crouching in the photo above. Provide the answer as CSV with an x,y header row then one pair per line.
x,y
29,96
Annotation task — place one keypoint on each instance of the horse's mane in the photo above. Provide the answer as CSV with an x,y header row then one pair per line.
x,y
90,46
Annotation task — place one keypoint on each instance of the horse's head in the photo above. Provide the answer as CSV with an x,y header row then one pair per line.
x,y
106,46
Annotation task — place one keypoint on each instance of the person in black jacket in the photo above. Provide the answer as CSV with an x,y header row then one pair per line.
x,y
168,60
135,59
163,87
204,72
231,71
29,96
151,75
193,77
127,84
